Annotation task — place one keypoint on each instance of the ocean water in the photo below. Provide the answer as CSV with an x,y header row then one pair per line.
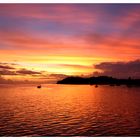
x,y
69,110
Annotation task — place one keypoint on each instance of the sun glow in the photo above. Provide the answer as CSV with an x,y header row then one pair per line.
x,y
35,43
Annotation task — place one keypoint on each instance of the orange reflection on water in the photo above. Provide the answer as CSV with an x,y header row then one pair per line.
x,y
80,110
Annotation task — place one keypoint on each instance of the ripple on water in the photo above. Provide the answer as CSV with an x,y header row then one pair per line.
x,y
69,111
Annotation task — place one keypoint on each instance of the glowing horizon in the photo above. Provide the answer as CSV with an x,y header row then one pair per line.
x,y
48,41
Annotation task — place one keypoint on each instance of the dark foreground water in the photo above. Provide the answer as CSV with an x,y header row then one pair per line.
x,y
69,110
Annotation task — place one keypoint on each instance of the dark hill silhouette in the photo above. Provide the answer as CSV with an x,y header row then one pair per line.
x,y
101,80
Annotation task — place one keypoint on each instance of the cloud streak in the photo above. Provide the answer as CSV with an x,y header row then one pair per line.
x,y
7,69
5,66
64,14
25,72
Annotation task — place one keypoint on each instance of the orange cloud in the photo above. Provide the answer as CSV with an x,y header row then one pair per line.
x,y
21,40
113,45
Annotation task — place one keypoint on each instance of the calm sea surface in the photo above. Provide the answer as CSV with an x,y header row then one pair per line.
x,y
69,110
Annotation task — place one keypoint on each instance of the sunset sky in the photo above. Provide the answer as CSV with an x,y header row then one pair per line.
x,y
45,42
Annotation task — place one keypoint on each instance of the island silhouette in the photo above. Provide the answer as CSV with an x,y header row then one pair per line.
x,y
100,80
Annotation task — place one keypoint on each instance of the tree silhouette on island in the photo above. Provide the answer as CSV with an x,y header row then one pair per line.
x,y
100,80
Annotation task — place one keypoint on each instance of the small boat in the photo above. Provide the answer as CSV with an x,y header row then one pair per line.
x,y
96,86
39,86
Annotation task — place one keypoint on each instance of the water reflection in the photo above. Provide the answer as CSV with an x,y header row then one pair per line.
x,y
69,110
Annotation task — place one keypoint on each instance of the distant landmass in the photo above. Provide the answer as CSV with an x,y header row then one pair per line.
x,y
100,80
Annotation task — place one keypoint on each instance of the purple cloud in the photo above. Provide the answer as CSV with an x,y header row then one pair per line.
x,y
119,69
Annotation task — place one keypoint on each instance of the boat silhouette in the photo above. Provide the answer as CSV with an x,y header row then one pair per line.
x,y
96,86
39,86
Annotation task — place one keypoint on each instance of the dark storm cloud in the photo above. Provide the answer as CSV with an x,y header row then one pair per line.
x,y
119,69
